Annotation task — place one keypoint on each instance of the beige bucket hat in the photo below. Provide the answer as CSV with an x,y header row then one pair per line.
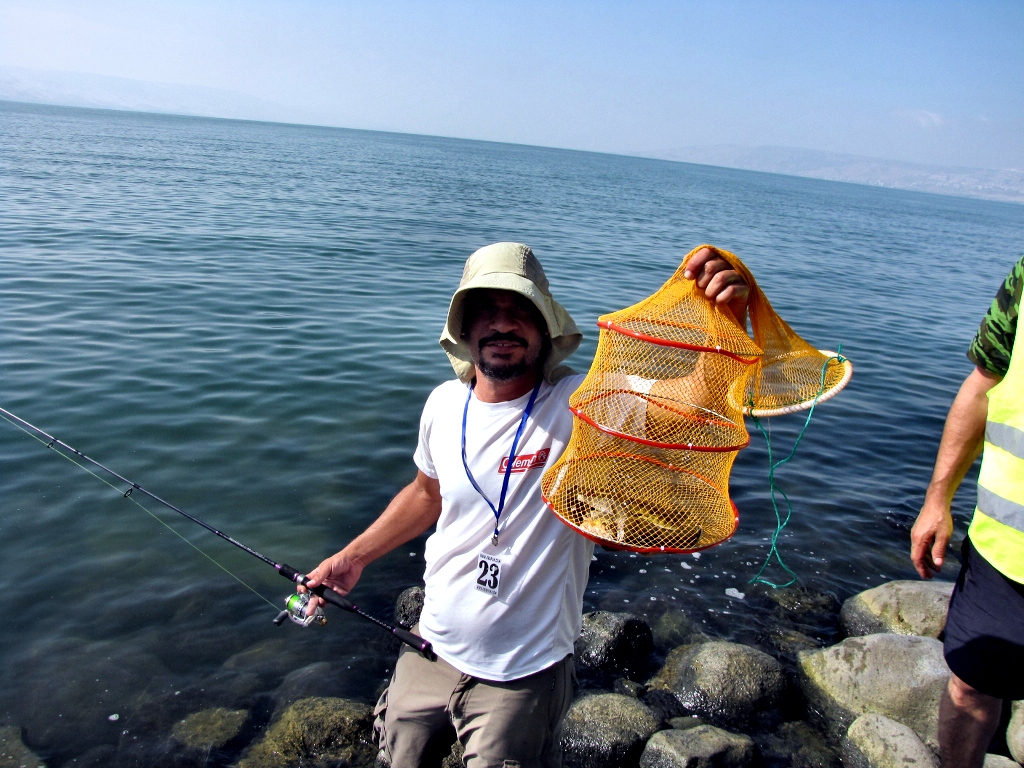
x,y
510,267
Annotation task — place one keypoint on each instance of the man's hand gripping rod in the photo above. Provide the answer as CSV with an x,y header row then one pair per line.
x,y
332,597
339,600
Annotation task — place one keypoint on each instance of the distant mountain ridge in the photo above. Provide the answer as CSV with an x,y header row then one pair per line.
x,y
1003,185
77,89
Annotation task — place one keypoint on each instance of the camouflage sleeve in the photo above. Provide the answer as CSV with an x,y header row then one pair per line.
x,y
993,345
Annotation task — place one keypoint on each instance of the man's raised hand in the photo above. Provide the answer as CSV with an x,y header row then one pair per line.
x,y
720,282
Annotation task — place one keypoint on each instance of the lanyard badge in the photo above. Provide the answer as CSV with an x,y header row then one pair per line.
x,y
511,459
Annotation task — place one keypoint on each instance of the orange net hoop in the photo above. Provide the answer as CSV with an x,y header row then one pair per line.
x,y
659,417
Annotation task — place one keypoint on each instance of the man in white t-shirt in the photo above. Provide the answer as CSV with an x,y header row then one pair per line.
x,y
504,578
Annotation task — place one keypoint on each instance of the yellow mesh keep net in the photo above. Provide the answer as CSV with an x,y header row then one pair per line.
x,y
659,417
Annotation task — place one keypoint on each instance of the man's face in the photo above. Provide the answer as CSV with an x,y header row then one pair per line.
x,y
505,333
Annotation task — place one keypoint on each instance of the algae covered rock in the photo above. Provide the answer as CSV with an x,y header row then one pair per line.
x,y
674,628
317,732
13,753
606,730
408,607
210,728
702,747
899,676
898,607
875,741
1015,731
731,685
613,642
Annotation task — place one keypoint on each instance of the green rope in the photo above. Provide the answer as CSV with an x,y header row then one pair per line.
x,y
147,511
781,523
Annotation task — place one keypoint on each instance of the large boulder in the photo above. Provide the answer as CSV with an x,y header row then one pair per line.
x,y
317,732
727,684
606,730
899,676
701,747
613,642
898,607
13,753
875,741
1015,731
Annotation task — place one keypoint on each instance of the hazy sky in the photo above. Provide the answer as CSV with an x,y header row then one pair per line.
x,y
934,82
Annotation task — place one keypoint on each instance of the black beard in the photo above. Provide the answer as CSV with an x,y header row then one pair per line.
x,y
505,372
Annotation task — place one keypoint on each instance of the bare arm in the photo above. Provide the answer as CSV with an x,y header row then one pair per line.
x,y
410,513
962,441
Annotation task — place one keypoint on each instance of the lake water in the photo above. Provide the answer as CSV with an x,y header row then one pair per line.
x,y
243,318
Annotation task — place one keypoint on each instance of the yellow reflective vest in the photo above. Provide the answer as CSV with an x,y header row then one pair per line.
x,y
997,531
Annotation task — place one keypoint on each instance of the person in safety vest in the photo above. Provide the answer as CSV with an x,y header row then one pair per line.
x,y
984,634
504,578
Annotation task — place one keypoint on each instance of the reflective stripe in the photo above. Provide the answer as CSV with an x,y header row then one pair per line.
x,y
1010,439
1003,510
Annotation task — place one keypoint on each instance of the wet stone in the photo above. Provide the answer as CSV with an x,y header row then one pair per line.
x,y
810,611
1015,731
613,643
606,730
899,676
701,747
70,689
687,721
999,761
318,680
898,607
875,741
674,628
796,745
728,684
13,753
317,733
210,727
408,607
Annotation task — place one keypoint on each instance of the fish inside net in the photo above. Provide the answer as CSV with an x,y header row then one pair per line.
x,y
659,417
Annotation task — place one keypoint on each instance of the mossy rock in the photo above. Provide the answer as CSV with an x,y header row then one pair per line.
x,y
13,753
210,728
317,733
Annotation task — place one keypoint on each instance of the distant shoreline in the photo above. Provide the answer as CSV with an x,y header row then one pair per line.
x,y
1001,186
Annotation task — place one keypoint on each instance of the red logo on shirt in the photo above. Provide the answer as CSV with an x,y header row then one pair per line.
x,y
525,461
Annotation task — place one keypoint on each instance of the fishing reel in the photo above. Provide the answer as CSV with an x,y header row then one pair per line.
x,y
295,609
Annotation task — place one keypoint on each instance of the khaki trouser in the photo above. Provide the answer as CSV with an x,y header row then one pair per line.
x,y
516,724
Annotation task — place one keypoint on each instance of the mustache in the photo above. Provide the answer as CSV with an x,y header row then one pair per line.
x,y
503,337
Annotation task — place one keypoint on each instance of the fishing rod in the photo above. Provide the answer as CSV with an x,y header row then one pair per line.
x,y
295,605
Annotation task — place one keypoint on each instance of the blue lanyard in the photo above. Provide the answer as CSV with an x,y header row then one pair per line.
x,y
511,459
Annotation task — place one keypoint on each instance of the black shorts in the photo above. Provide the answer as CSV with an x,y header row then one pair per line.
x,y
984,635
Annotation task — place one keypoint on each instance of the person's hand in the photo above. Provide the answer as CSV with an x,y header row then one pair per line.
x,y
720,282
339,572
929,537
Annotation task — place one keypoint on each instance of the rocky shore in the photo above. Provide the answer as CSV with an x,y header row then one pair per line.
x,y
658,694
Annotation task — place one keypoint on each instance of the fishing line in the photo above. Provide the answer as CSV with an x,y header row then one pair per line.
x,y
144,509
295,604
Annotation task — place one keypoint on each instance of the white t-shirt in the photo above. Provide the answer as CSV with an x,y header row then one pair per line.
x,y
542,565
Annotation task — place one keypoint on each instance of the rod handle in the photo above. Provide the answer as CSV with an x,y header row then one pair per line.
x,y
416,642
